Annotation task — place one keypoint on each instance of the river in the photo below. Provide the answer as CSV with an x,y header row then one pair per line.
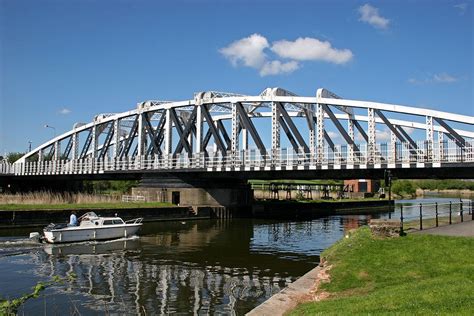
x,y
195,267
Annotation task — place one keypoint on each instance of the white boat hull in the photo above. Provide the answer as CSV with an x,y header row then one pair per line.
x,y
75,234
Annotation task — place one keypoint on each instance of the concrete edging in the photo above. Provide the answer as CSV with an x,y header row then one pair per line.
x,y
288,298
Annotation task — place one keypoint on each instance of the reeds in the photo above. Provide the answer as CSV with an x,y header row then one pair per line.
x,y
46,197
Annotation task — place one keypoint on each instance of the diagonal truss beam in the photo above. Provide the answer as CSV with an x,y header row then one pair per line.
x,y
247,123
212,128
289,134
451,131
221,128
341,129
292,127
87,144
108,140
182,133
128,141
408,138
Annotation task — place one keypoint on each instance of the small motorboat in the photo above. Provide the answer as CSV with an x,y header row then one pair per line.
x,y
92,227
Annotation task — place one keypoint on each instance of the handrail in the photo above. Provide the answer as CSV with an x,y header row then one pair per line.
x,y
134,221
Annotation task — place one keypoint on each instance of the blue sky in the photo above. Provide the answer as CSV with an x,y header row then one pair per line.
x,y
63,62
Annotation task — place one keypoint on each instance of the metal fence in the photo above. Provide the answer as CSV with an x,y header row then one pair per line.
x,y
429,215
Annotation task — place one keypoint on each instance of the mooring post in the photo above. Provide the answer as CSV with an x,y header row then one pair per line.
x,y
436,210
401,220
450,212
421,216
461,211
472,210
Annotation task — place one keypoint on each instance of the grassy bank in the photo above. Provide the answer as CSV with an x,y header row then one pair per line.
x,y
416,274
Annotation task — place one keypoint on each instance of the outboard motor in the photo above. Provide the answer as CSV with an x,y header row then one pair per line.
x,y
35,236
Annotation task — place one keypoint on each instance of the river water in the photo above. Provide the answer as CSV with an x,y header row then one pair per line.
x,y
195,267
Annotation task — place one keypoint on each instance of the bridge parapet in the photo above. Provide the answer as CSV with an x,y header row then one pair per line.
x,y
402,156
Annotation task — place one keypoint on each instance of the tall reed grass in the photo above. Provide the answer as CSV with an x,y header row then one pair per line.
x,y
46,197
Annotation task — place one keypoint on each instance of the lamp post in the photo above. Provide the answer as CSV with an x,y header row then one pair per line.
x,y
52,127
29,145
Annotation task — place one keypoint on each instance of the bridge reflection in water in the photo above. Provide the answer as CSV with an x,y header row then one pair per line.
x,y
192,268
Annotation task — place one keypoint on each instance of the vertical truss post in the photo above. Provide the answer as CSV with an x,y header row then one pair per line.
x,y
75,146
440,146
40,155
372,141
168,135
141,134
116,138
235,132
199,137
320,133
393,147
429,138
312,133
350,132
94,141
275,132
198,148
57,150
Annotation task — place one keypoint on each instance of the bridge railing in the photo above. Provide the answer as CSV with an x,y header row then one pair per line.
x,y
334,157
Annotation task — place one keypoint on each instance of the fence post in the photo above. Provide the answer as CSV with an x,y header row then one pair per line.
x,y
450,211
436,209
401,219
472,210
421,216
461,211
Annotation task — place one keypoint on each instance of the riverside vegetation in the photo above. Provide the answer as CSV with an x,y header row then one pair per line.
x,y
415,274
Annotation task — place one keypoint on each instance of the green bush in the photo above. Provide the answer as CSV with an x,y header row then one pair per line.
x,y
403,188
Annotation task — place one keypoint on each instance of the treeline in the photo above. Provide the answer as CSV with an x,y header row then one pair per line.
x,y
109,186
408,187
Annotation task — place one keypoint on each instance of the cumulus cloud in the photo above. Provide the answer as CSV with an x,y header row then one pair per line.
x,y
311,49
370,15
462,7
436,78
64,111
252,52
276,67
247,51
444,77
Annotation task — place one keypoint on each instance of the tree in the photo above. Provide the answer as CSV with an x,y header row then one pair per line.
x,y
12,157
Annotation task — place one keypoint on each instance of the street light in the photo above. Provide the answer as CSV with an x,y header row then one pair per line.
x,y
49,126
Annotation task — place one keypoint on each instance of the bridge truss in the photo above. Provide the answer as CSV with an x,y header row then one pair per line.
x,y
276,130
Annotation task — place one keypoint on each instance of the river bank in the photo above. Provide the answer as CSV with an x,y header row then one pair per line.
x,y
370,275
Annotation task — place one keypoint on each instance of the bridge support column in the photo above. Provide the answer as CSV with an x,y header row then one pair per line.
x,y
187,190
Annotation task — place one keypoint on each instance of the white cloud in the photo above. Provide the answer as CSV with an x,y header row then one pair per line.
x,y
311,49
64,111
436,78
444,77
370,15
462,7
333,135
383,135
276,67
248,51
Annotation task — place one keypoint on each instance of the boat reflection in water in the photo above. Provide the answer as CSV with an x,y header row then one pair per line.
x,y
93,248
205,267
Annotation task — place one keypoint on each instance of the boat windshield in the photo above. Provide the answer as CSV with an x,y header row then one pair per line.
x,y
88,216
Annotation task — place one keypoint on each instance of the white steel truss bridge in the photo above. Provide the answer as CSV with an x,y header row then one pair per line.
x,y
276,133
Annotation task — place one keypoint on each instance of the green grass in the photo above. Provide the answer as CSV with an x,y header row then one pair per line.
x,y
413,275
117,205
